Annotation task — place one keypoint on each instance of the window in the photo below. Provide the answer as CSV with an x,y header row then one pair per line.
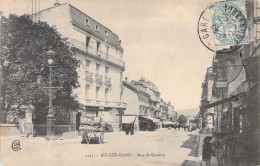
x,y
257,8
87,41
97,68
106,33
98,45
107,50
87,22
87,65
97,92
106,93
106,70
87,92
97,28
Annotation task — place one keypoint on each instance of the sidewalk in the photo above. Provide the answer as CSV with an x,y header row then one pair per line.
x,y
213,161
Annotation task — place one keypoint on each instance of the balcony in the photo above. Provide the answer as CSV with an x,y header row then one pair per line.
x,y
88,76
102,103
98,79
107,81
97,53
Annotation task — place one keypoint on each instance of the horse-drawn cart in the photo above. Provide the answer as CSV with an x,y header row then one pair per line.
x,y
92,134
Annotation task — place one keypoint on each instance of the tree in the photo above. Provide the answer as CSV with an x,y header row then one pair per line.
x,y
23,45
182,119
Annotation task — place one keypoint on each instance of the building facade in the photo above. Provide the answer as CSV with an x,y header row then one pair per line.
x,y
152,111
101,66
154,100
236,94
207,98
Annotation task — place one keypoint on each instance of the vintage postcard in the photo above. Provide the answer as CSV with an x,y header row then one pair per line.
x,y
129,82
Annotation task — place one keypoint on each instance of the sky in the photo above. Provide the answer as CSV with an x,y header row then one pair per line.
x,y
159,38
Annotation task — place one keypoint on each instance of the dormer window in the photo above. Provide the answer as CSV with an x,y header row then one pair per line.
x,y
97,28
87,22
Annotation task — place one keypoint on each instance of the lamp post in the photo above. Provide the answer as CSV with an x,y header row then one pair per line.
x,y
49,91
50,117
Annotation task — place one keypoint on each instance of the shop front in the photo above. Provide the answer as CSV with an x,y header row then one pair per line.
x,y
147,123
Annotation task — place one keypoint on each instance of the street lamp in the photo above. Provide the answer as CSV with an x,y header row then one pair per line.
x,y
50,117
49,90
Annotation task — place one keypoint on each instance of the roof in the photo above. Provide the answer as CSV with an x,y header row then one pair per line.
x,y
131,86
79,18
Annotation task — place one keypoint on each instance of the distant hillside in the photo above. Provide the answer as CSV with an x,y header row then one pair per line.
x,y
190,112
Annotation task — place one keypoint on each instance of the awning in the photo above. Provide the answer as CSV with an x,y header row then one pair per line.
x,y
152,119
128,119
235,97
106,116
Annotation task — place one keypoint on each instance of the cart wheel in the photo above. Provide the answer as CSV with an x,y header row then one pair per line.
x,y
101,138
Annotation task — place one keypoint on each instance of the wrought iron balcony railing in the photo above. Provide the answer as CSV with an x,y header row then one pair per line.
x,y
98,53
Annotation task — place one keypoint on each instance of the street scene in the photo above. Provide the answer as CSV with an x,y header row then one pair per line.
x,y
118,149
122,82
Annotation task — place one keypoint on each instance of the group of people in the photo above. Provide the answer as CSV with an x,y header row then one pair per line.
x,y
213,146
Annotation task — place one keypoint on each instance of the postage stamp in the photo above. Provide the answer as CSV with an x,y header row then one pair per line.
x,y
222,26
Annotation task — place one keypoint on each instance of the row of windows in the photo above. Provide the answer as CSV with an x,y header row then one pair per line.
x,y
97,27
98,46
98,69
97,92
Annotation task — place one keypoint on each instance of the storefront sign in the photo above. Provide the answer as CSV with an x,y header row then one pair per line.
x,y
221,84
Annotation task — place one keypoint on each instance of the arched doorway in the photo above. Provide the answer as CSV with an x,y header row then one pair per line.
x,y
78,120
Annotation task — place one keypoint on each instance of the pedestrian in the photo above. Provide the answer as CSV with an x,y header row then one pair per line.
x,y
207,151
218,144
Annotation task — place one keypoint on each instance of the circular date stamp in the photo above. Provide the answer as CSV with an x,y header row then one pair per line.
x,y
222,27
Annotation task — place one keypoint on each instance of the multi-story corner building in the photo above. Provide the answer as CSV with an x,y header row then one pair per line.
x,y
137,101
152,112
101,66
154,100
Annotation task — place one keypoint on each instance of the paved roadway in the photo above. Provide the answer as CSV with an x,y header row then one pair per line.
x,y
163,147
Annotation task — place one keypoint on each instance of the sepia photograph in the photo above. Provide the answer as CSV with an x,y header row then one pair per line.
x,y
130,82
